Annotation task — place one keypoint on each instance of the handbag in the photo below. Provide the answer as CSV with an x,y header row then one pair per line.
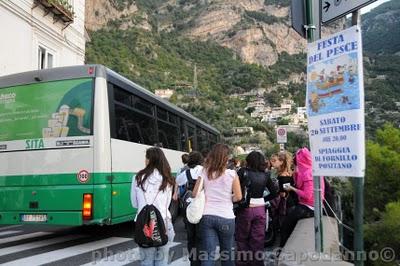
x,y
195,209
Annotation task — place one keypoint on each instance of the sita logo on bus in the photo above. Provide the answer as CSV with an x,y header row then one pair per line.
x,y
34,144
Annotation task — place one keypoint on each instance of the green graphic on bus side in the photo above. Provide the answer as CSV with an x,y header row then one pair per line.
x,y
46,110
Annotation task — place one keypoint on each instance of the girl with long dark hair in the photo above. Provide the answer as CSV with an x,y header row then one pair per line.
x,y
154,185
221,189
251,218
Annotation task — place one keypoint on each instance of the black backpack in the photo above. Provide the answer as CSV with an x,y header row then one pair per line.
x,y
189,190
191,182
150,229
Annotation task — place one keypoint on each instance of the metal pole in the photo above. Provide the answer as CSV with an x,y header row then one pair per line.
x,y
340,214
359,256
310,28
319,245
358,185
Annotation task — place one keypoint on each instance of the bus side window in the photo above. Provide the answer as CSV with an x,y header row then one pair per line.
x,y
168,135
126,128
134,126
212,140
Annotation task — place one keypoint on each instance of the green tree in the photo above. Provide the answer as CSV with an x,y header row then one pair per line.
x,y
382,191
385,233
296,141
282,121
382,182
250,110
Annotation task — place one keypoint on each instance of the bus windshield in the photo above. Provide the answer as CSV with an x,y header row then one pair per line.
x,y
44,115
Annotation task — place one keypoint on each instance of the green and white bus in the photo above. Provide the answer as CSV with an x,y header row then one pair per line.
x,y
71,139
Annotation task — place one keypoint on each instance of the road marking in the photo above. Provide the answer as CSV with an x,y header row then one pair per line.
x,y
67,252
21,237
5,233
122,258
38,244
9,227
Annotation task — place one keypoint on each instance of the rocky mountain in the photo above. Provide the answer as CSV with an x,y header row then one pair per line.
x,y
234,45
381,28
381,43
256,30
225,44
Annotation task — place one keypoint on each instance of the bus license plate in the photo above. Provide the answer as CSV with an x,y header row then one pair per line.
x,y
34,217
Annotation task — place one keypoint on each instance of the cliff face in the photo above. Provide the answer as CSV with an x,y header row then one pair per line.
x,y
99,12
257,30
240,25
381,29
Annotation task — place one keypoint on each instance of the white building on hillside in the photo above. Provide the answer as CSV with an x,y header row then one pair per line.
x,y
165,94
302,112
37,34
299,118
258,103
242,130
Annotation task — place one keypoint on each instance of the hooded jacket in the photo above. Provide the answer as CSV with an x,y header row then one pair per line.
x,y
303,178
139,198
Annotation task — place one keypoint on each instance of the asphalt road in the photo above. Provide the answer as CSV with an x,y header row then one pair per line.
x,y
95,245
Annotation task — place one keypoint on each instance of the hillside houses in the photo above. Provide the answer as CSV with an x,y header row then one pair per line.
x,y
259,109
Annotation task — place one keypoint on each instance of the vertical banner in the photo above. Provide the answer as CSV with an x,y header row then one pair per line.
x,y
335,104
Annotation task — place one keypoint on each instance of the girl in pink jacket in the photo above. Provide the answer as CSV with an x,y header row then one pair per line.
x,y
304,188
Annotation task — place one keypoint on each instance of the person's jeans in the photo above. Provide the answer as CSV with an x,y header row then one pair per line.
x,y
289,223
214,230
250,235
154,256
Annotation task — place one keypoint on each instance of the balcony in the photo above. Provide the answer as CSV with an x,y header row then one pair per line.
x,y
62,10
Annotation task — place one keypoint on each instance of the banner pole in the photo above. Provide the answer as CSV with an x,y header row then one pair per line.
x,y
358,185
310,28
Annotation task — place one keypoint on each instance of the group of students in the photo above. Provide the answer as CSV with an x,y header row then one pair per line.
x,y
234,216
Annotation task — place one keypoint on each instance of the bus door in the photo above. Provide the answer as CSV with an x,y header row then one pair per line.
x,y
132,131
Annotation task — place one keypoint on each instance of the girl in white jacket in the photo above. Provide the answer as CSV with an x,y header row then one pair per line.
x,y
154,183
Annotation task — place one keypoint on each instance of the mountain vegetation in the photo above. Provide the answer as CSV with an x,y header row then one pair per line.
x,y
382,192
381,42
381,28
165,57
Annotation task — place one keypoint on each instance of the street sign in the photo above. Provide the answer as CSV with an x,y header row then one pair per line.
x,y
281,135
299,21
335,9
299,17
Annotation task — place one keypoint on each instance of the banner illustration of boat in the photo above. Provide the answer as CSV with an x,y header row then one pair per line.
x,y
332,86
334,78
